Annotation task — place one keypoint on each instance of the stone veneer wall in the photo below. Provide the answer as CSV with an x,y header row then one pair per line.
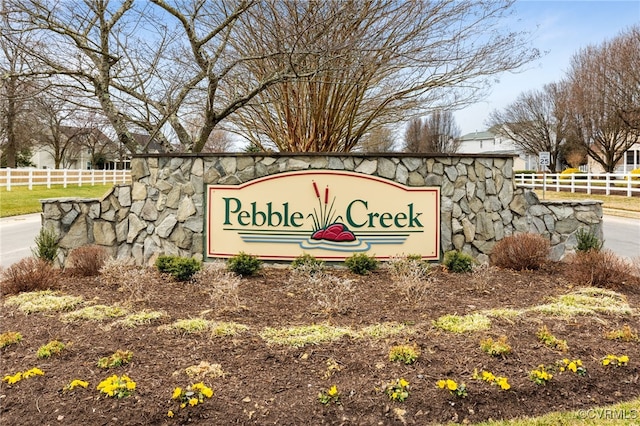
x,y
162,211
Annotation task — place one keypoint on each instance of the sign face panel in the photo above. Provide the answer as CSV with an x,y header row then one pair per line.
x,y
544,158
325,213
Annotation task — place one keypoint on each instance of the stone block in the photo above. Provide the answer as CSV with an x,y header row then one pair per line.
x,y
104,233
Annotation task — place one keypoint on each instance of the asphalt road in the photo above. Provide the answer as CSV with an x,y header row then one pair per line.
x,y
18,234
622,236
17,237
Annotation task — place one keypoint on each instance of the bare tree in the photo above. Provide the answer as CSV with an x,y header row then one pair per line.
x,y
381,62
625,79
414,136
436,133
536,121
17,89
604,98
147,65
380,139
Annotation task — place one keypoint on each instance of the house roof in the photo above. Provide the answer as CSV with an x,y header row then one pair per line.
x,y
474,136
73,131
143,139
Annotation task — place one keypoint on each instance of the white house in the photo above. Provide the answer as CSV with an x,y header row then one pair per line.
x,y
490,143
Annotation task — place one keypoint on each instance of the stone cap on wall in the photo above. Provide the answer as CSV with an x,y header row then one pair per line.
x,y
68,200
320,154
572,202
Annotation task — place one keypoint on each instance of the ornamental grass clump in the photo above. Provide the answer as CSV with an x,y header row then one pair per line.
x,y
43,301
521,252
463,324
307,264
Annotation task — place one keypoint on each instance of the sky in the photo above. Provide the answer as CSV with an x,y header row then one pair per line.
x,y
559,28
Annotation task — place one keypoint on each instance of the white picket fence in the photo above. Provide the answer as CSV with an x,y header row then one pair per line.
x,y
590,183
39,177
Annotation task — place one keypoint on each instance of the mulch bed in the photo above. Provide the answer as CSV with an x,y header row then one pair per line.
x,y
275,384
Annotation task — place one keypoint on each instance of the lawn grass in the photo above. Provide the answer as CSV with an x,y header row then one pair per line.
x,y
622,414
21,200
618,202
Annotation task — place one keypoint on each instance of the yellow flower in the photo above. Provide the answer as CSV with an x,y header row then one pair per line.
x,y
403,383
183,405
131,385
441,384
208,392
333,391
75,383
623,359
170,413
572,367
193,401
13,379
606,362
488,376
451,385
502,382
176,393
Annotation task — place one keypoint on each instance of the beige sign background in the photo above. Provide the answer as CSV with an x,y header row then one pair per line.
x,y
328,214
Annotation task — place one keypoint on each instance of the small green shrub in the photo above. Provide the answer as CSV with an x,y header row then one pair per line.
x,y
244,264
456,261
116,359
498,347
180,268
361,263
46,245
404,353
9,338
308,263
587,240
52,348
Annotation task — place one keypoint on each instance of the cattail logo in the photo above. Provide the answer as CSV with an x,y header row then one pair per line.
x,y
325,226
